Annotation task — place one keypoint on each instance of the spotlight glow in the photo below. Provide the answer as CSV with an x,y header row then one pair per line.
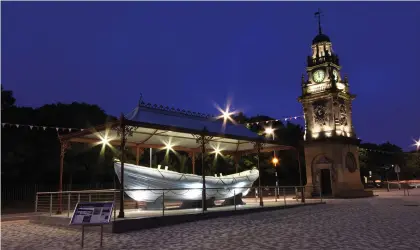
x,y
269,131
417,144
105,140
226,114
168,146
217,150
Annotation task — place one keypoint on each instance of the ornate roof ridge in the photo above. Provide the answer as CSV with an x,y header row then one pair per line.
x,y
175,110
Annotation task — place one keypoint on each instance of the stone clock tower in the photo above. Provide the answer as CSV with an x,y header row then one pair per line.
x,y
331,145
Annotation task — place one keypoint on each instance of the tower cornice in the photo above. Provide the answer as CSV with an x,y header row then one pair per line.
x,y
326,64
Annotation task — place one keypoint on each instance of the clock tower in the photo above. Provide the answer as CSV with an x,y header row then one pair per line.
x,y
331,145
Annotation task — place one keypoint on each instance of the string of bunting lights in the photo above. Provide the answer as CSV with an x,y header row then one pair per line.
x,y
275,120
38,127
381,151
57,129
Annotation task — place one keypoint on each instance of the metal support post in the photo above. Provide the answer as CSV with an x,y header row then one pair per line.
x,y
151,156
256,194
258,148
275,189
68,205
202,139
234,198
83,234
115,205
36,202
203,176
51,204
163,203
300,177
102,234
123,131
320,193
284,197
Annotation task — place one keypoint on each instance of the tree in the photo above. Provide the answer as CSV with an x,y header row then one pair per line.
x,y
286,134
379,159
7,99
412,170
31,155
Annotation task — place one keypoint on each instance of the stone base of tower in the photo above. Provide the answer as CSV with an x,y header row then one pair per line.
x,y
332,169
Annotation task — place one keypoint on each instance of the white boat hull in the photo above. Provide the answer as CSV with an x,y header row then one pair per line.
x,y
188,185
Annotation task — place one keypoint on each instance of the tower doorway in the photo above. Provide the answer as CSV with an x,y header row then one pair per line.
x,y
326,182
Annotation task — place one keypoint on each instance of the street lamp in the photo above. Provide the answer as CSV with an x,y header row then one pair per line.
x,y
275,161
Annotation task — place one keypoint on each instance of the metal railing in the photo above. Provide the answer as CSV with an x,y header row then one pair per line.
x,y
63,203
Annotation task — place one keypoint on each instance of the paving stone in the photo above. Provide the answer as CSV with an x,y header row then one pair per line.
x,y
383,222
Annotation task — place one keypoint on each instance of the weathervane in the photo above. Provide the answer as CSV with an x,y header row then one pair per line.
x,y
318,15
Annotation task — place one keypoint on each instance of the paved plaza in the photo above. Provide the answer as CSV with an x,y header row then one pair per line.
x,y
389,221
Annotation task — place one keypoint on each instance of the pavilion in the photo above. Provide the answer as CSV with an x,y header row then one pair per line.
x,y
159,127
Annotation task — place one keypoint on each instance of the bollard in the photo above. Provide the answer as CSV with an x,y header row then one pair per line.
x,y
256,195
163,203
78,198
284,197
320,194
115,205
275,194
50,204
68,205
234,198
303,195
36,202
90,197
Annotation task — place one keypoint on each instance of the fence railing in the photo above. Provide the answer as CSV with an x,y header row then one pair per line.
x,y
218,199
25,192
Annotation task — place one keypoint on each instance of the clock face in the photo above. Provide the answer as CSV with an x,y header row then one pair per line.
x,y
319,76
335,73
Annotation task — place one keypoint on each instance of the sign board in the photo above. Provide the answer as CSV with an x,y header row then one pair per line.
x,y
92,213
397,169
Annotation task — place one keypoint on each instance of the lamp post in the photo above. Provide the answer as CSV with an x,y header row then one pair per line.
x,y
122,159
65,145
123,130
275,161
202,140
258,146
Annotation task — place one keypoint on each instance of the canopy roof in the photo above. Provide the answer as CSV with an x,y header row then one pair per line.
x,y
156,126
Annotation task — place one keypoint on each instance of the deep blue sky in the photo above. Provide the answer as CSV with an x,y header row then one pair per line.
x,y
191,54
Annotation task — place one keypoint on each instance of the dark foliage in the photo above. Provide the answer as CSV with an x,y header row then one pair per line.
x,y
32,156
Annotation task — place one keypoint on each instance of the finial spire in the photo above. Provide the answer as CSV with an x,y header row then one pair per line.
x,y
318,15
140,99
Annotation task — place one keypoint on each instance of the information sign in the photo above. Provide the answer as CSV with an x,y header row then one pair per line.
x,y
92,213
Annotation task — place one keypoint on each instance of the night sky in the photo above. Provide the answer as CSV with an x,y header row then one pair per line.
x,y
191,54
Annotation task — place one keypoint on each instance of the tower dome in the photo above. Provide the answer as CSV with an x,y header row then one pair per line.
x,y
320,38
